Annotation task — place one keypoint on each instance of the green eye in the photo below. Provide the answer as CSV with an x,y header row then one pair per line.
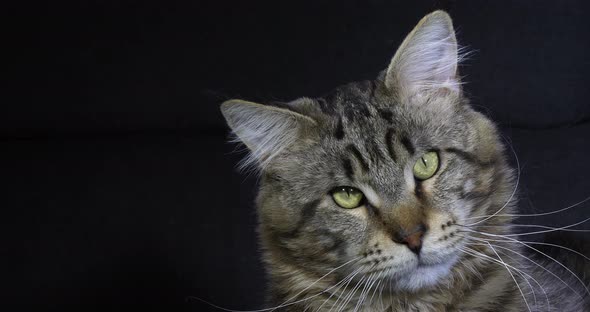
x,y
426,166
347,197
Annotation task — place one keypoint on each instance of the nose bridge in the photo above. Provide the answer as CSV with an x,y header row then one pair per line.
x,y
405,218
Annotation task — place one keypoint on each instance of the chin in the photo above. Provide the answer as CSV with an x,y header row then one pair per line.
x,y
425,274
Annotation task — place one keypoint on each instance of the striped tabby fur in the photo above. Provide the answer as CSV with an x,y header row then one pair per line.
x,y
368,135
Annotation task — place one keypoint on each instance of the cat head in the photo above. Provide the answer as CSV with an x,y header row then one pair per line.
x,y
379,174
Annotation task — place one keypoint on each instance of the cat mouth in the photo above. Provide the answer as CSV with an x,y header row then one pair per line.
x,y
417,275
422,264
432,262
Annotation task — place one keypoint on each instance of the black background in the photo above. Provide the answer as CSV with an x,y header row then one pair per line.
x,y
119,186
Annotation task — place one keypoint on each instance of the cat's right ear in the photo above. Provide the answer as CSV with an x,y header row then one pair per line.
x,y
265,130
427,59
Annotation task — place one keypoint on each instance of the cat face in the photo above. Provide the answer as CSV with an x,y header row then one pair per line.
x,y
378,176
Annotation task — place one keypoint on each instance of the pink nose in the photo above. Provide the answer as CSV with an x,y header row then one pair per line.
x,y
414,241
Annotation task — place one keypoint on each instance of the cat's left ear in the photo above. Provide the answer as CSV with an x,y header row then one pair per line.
x,y
265,130
427,58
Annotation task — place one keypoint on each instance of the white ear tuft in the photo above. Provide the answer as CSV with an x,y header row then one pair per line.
x,y
265,130
427,58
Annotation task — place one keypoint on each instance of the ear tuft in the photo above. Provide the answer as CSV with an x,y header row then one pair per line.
x,y
265,130
427,58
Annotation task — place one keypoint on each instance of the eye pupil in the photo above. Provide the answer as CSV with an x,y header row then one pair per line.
x,y
347,197
426,166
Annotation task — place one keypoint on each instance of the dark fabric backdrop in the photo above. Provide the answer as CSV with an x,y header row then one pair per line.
x,y
119,186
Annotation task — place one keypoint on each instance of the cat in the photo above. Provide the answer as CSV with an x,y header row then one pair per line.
x,y
394,195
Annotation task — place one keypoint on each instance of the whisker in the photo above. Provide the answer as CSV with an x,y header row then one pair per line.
x,y
544,254
308,287
471,269
375,280
352,292
525,277
515,225
553,229
358,301
344,289
381,290
512,275
513,192
535,280
344,295
543,268
362,295
377,286
348,278
546,244
507,266
534,214
285,304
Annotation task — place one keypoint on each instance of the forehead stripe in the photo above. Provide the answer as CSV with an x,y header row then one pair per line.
x,y
389,143
348,170
361,160
339,133
373,150
408,145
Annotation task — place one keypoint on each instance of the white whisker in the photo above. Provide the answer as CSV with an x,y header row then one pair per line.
x,y
513,192
363,292
553,229
538,265
344,289
534,214
308,287
348,278
528,225
527,258
512,275
379,279
545,244
544,254
383,287
285,304
352,292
